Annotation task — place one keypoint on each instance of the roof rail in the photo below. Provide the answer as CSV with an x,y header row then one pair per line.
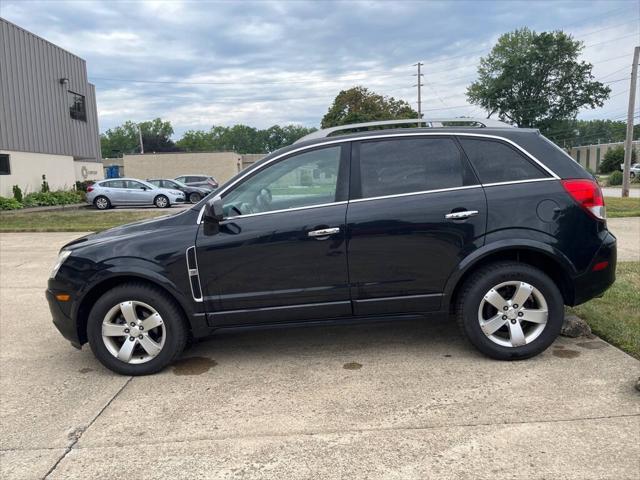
x,y
428,123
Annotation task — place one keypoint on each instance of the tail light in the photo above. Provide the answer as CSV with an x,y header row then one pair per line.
x,y
212,182
90,188
588,194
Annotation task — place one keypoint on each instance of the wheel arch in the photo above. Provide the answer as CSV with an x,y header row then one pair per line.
x,y
104,285
543,257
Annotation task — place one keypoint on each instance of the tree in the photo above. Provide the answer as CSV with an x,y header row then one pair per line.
x,y
535,79
359,104
614,158
570,133
242,138
156,137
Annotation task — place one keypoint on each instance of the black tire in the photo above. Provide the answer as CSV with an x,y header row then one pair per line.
x,y
194,197
161,201
174,323
99,203
473,292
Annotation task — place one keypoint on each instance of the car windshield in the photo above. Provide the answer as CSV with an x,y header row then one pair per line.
x,y
146,184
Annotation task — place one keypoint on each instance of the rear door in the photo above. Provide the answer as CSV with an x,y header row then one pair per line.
x,y
416,211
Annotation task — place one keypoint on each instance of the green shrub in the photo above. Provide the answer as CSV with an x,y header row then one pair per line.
x,y
82,186
614,158
17,193
41,199
45,185
9,204
615,178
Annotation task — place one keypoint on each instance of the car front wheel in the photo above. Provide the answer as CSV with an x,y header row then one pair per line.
x,y
135,329
194,197
510,310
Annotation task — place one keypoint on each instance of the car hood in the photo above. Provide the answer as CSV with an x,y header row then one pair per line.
x,y
143,227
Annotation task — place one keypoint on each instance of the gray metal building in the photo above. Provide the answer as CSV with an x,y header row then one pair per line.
x,y
48,116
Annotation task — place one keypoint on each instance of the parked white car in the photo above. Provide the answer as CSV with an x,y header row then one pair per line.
x,y
131,191
634,171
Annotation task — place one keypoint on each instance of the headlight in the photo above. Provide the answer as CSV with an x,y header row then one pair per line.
x,y
62,256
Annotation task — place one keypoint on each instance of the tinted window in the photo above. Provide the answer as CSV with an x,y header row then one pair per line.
x,y
134,184
498,162
169,184
114,184
196,179
5,166
301,180
391,167
157,183
77,107
182,179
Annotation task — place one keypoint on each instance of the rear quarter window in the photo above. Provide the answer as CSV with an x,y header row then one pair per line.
x,y
496,162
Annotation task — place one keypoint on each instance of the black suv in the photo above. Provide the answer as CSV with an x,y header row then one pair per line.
x,y
496,225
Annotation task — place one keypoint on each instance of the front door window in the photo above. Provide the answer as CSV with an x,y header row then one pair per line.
x,y
302,180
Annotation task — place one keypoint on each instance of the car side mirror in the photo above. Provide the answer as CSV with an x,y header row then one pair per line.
x,y
213,210
144,188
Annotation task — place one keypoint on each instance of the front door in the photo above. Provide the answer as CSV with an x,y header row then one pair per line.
x,y
417,210
280,252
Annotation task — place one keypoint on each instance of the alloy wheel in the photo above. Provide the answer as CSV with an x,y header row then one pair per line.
x,y
102,203
133,332
513,314
162,202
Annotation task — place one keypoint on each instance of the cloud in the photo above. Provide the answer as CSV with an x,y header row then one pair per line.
x,y
262,62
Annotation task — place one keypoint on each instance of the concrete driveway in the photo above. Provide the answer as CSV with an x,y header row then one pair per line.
x,y
398,400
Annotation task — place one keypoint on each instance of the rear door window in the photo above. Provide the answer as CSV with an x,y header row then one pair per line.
x,y
405,165
114,184
496,162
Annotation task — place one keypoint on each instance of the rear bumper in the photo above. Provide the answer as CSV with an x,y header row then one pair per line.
x,y
65,325
598,278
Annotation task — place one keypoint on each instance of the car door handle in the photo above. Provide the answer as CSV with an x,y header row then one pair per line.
x,y
461,215
323,232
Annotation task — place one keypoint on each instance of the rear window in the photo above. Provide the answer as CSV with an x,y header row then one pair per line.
x,y
391,167
498,162
196,179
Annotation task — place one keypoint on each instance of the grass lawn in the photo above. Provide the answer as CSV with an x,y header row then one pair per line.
x,y
622,207
616,316
78,220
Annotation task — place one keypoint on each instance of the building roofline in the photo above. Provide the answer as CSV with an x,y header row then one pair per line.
x,y
2,19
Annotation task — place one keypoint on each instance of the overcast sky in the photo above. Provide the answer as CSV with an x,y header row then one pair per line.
x,y
261,63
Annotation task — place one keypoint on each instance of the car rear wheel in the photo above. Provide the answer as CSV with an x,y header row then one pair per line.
x,y
134,329
510,310
194,197
102,203
161,202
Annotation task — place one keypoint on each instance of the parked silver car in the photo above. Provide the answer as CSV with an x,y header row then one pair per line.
x,y
130,191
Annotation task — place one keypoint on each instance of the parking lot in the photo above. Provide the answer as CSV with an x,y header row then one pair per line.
x,y
401,399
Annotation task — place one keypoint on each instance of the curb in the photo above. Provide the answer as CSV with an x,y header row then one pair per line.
x,y
72,206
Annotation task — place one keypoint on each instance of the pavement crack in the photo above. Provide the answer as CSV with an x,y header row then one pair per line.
x,y
75,434
370,430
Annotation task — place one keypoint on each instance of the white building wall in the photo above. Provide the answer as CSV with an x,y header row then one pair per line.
x,y
85,171
27,169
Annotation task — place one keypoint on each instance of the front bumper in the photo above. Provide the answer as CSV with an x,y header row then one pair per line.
x,y
594,283
61,319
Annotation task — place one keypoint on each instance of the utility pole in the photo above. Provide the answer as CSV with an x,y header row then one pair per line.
x,y
628,144
419,85
140,139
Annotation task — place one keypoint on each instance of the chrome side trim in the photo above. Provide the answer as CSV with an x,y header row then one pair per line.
x,y
193,272
515,182
374,137
452,189
321,205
